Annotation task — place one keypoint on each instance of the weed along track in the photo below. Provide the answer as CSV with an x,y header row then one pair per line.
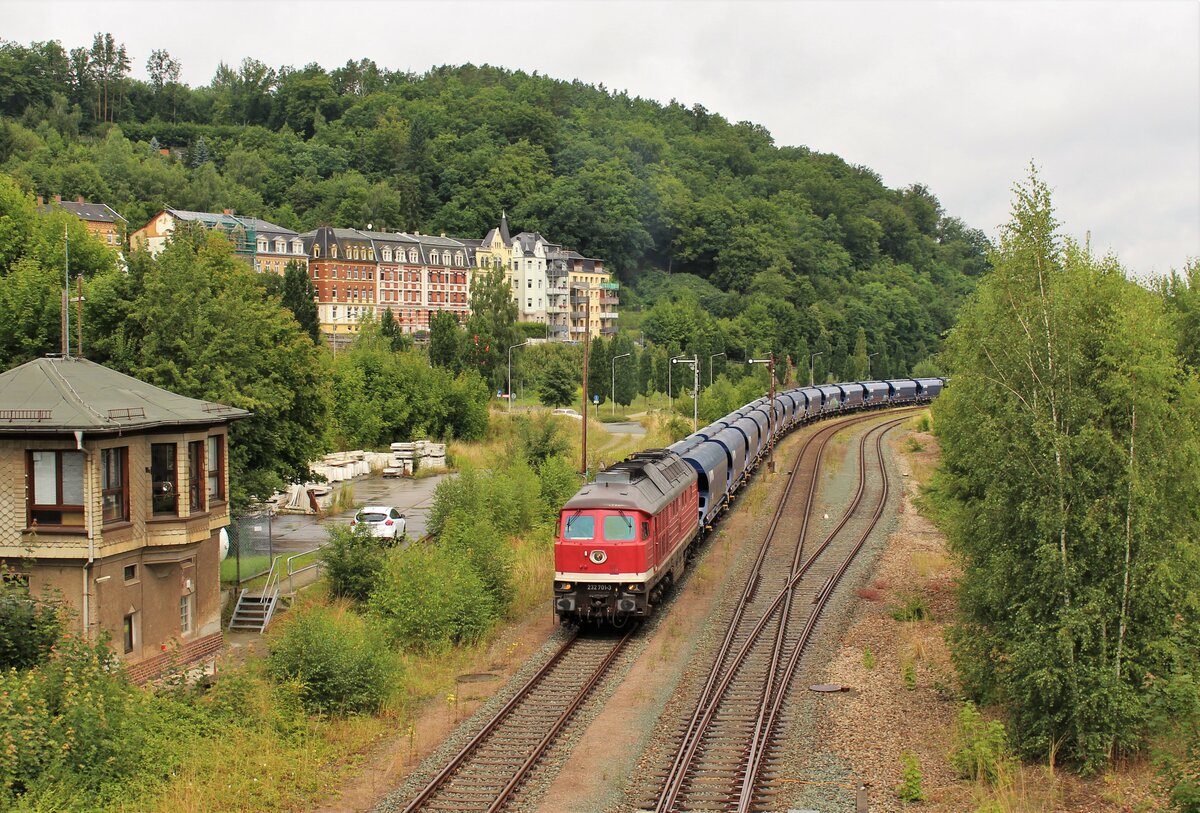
x,y
720,755
489,771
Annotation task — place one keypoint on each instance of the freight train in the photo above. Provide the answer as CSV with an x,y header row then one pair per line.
x,y
624,540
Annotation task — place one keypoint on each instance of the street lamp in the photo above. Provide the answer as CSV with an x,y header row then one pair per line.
x,y
770,362
710,361
812,359
695,362
614,380
869,357
514,347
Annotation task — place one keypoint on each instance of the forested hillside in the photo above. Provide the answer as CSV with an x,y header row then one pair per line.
x,y
816,247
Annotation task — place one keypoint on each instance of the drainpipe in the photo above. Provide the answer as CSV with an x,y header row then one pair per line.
x,y
90,514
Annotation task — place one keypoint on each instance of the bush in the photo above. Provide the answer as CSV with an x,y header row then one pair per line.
x,y
559,481
28,627
353,562
71,725
430,598
909,789
340,666
475,541
982,747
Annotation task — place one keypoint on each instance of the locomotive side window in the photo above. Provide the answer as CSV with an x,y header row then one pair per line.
x,y
580,527
645,530
619,529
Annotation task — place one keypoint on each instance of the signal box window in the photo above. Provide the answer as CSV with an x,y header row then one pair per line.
x,y
56,487
580,527
195,476
162,476
114,466
619,529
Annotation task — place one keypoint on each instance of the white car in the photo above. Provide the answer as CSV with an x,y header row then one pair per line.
x,y
384,521
570,413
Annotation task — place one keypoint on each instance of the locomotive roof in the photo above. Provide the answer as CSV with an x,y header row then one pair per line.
x,y
645,481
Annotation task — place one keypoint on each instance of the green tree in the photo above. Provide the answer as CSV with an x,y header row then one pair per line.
x,y
491,328
558,382
300,297
1070,453
445,341
196,322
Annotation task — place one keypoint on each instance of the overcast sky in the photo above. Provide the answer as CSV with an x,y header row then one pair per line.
x,y
1104,97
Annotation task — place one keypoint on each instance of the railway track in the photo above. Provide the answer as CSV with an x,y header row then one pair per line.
x,y
720,753
491,768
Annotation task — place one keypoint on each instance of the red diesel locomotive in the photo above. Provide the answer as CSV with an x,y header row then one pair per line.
x,y
623,540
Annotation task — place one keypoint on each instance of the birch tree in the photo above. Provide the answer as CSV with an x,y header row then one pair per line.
x,y
1068,480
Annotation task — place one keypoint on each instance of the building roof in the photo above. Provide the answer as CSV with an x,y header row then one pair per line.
x,y
56,394
214,219
93,212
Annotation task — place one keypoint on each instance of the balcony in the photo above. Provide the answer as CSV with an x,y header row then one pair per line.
x,y
610,300
578,314
607,314
552,308
578,331
608,331
579,300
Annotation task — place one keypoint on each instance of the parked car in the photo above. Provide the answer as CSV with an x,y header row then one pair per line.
x,y
384,521
570,413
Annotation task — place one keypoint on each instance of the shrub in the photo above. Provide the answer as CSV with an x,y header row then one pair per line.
x,y
70,725
910,676
559,482
539,440
475,541
430,598
981,752
868,659
353,562
340,666
909,789
28,627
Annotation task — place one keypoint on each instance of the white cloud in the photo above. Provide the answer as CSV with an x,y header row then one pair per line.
x,y
1103,96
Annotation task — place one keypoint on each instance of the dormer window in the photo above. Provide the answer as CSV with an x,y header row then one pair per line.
x,y
333,251
412,255
316,251
387,255
279,249
262,245
458,259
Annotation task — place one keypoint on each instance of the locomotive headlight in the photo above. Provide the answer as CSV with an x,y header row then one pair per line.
x,y
563,586
598,557
634,588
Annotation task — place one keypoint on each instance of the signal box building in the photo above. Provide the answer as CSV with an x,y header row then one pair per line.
x,y
113,494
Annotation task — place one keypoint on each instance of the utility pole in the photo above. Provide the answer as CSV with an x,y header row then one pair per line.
x,y
710,361
695,362
770,362
811,360
587,343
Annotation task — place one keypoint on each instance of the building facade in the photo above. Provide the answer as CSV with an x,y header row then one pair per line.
x,y
266,246
363,273
113,494
99,218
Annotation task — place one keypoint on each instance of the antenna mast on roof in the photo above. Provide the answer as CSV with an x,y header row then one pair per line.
x,y
66,306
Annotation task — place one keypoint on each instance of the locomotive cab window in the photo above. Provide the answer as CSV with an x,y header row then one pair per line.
x,y
619,529
580,527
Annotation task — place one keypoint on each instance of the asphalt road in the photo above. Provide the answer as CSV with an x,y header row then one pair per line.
x,y
413,498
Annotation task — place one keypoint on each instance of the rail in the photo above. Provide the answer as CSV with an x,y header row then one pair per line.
x,y
315,564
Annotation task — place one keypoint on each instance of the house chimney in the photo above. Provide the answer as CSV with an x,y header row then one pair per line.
x,y
228,211
41,200
79,198
58,198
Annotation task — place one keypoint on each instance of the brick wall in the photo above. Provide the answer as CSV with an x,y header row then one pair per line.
x,y
190,653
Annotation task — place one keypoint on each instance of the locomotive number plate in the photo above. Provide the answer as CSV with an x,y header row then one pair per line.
x,y
596,588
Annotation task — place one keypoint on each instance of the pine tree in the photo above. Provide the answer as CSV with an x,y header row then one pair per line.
x,y
299,296
199,152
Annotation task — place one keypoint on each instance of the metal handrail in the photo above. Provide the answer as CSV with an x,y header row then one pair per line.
x,y
273,578
288,564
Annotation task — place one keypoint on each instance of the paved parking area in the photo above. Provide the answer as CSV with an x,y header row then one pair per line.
x,y
413,498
